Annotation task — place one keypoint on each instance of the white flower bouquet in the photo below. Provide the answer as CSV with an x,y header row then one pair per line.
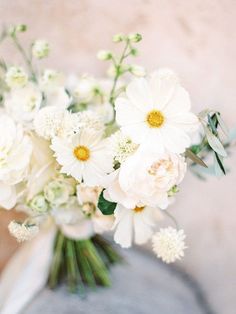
x,y
81,156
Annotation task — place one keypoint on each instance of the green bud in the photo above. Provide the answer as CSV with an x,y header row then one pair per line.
x,y
21,28
134,52
118,38
135,38
104,55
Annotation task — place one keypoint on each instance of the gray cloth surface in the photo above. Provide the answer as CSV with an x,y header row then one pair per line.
x,y
141,285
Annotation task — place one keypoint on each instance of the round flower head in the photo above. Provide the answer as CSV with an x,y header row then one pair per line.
x,y
169,245
23,232
16,77
156,113
39,204
40,49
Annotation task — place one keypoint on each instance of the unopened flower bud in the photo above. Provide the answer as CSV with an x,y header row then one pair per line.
x,y
104,55
137,70
39,204
118,38
135,38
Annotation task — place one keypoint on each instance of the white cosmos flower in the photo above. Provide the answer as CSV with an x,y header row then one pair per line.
x,y
84,156
135,223
156,113
15,151
145,178
23,104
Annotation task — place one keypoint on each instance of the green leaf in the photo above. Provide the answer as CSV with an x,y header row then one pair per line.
x,y
213,123
195,158
222,124
219,167
105,206
214,142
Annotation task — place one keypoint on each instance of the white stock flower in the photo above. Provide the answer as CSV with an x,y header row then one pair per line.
x,y
16,77
58,191
23,232
40,49
169,244
23,104
15,151
134,224
121,146
84,156
39,204
156,113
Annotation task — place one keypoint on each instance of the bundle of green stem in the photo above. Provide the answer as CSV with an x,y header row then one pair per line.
x,y
82,263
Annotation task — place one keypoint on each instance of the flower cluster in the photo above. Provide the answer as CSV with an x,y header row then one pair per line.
x,y
90,155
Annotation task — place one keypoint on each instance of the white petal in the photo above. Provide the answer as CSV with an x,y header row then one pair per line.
x,y
187,121
140,95
124,226
163,86
179,102
142,231
127,113
137,132
175,139
7,196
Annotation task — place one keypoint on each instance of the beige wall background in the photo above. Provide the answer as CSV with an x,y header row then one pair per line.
x,y
197,39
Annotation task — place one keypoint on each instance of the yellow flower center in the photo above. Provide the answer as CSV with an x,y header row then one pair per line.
x,y
155,119
82,153
139,209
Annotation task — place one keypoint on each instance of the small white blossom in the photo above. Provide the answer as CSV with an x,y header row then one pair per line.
x,y
169,245
121,146
39,204
40,49
118,38
90,120
135,37
23,232
16,77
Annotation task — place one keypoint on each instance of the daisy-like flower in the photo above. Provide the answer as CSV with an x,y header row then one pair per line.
x,y
169,245
156,113
23,232
134,223
84,156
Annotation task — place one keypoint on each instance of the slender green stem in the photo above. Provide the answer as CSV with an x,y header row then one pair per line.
x,y
118,73
172,218
27,59
72,266
57,261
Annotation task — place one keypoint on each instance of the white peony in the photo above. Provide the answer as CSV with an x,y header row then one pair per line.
x,y
145,178
156,113
15,151
23,104
134,224
85,156
8,195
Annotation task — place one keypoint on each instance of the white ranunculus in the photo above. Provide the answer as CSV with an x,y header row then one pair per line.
x,y
58,191
156,113
39,204
15,151
134,224
145,178
23,104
